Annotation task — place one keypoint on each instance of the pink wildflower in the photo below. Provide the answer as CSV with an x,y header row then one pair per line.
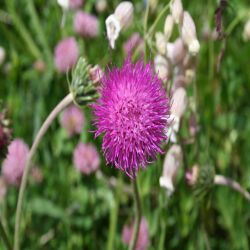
x,y
86,158
132,114
72,120
66,54
86,25
74,4
13,165
133,43
143,237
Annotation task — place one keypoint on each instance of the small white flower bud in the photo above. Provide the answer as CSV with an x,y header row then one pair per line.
x,y
188,33
63,3
2,55
161,66
101,5
113,29
246,32
160,43
177,10
176,51
189,75
194,47
172,163
168,26
124,12
179,102
173,128
178,81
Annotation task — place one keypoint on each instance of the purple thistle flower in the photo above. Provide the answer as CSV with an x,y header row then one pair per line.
x,y
132,114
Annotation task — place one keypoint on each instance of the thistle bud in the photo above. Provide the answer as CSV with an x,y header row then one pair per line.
x,y
179,102
168,26
188,32
246,32
95,74
177,10
172,163
205,180
124,12
2,55
82,87
160,43
162,69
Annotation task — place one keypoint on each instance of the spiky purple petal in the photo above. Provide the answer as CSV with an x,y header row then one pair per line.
x,y
132,115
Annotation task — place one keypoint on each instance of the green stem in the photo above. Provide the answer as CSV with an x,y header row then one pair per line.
x,y
113,218
153,26
233,24
63,104
224,181
132,245
5,237
162,236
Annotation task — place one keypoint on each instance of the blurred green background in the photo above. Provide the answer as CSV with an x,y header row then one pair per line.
x,y
71,211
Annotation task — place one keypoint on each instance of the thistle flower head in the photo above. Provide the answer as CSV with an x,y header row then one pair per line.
x,y
13,165
132,114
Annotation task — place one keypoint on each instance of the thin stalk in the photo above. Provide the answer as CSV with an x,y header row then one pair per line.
x,y
132,245
153,26
113,216
63,104
4,236
224,181
233,24
162,236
